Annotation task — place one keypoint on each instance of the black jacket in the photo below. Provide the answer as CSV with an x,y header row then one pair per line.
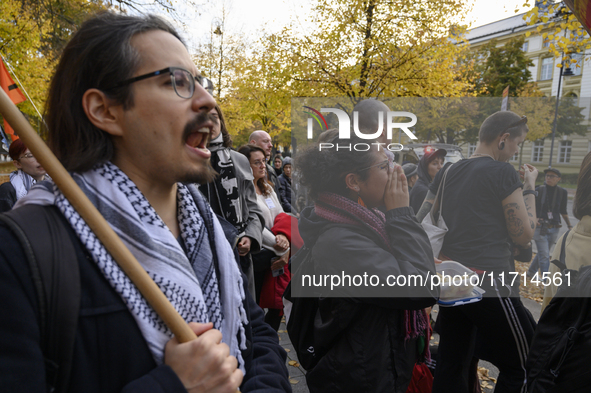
x,y
547,195
363,338
7,196
110,353
279,188
421,187
286,184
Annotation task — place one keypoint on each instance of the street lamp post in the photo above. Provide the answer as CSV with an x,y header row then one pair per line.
x,y
567,72
218,31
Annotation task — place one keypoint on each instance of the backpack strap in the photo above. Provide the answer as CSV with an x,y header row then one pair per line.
x,y
561,263
437,206
51,256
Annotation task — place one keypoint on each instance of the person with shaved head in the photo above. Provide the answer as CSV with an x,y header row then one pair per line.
x,y
369,115
368,112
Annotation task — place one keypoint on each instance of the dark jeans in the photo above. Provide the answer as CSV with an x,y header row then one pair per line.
x,y
261,264
505,331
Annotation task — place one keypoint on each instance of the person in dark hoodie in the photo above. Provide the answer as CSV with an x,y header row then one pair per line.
x,y
429,165
369,337
285,179
411,171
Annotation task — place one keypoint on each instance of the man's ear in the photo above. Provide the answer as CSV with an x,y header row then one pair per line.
x,y
505,136
17,164
102,112
352,182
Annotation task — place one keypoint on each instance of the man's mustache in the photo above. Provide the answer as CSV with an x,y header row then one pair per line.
x,y
194,124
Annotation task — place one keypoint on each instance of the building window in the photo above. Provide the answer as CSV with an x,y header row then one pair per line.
x,y
515,157
547,68
565,149
577,66
525,46
537,154
546,43
572,97
472,148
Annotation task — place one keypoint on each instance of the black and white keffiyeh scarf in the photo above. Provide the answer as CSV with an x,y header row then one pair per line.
x,y
204,283
21,182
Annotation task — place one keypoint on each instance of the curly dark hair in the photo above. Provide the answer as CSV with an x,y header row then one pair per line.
x,y
325,170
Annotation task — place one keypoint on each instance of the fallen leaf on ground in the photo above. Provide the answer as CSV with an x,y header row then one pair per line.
x,y
528,289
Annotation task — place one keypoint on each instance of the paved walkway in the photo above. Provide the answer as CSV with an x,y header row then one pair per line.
x,y
297,373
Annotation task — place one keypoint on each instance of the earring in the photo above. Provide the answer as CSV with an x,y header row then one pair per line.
x,y
360,201
502,145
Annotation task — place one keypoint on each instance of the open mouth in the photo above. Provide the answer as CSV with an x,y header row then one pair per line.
x,y
197,140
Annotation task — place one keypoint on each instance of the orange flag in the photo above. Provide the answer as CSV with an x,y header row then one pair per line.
x,y
13,92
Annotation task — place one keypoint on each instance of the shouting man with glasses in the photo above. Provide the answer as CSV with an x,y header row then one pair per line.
x,y
28,172
551,203
128,116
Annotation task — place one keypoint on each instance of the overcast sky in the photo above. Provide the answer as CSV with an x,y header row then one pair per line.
x,y
253,17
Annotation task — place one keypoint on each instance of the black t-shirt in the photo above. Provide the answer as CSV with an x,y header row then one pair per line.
x,y
546,195
473,211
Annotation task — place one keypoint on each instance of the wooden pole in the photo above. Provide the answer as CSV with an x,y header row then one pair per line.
x,y
95,221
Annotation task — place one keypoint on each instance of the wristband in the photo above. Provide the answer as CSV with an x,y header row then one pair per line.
x,y
532,192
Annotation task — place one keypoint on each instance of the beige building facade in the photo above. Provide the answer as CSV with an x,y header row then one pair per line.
x,y
570,150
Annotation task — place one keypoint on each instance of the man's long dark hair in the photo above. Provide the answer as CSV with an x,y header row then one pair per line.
x,y
98,56
226,137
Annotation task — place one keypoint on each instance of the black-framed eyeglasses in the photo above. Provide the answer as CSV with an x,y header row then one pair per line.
x,y
386,163
182,81
519,122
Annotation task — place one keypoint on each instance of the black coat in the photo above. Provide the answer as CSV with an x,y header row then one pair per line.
x,y
286,184
421,187
110,353
279,189
7,196
364,338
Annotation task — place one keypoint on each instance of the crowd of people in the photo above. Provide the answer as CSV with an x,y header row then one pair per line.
x,y
215,227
